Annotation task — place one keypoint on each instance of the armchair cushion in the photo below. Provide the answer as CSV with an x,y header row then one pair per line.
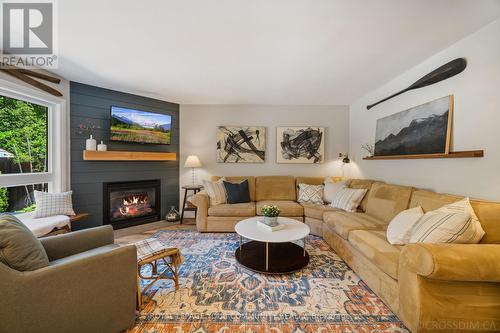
x,y
453,262
19,247
66,245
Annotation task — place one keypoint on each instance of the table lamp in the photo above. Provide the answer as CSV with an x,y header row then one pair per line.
x,y
193,162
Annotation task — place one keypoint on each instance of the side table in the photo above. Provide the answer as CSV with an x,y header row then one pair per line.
x,y
187,188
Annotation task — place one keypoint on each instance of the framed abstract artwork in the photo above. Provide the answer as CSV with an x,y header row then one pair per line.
x,y
300,145
421,130
241,144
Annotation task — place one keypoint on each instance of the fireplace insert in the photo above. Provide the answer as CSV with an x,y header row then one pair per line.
x,y
131,203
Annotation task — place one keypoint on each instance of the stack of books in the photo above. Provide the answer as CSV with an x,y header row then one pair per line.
x,y
269,228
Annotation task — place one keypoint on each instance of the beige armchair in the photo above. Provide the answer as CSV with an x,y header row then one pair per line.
x,y
89,286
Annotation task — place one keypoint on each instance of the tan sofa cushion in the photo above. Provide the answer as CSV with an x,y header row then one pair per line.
x,y
316,211
239,209
386,200
287,208
313,181
373,245
345,222
362,184
487,212
239,179
275,188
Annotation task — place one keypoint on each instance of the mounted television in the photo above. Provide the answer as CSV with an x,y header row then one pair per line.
x,y
130,125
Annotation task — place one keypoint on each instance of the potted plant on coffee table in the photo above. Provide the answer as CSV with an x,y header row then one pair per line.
x,y
271,213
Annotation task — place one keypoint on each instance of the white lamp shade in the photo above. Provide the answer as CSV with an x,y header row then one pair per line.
x,y
192,161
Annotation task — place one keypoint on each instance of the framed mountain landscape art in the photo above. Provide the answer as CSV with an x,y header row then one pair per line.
x,y
421,130
300,145
241,144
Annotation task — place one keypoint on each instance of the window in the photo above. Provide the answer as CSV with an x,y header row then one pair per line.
x,y
32,148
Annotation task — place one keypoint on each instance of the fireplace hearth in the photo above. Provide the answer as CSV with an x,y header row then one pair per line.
x,y
131,203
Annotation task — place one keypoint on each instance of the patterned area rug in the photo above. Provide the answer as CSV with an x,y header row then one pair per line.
x,y
216,294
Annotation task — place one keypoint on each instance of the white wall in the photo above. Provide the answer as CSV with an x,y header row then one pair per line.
x,y
476,121
198,130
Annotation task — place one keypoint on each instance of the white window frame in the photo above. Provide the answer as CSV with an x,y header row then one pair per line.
x,y
57,141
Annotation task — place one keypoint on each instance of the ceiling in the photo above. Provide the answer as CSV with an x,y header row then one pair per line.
x,y
321,52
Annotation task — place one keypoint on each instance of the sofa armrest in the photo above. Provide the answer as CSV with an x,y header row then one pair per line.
x,y
65,245
202,203
102,286
453,262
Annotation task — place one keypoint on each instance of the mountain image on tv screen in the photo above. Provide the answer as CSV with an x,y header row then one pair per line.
x,y
130,125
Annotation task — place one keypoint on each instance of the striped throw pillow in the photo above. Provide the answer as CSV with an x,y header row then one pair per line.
x,y
442,227
311,194
475,232
51,204
348,199
216,191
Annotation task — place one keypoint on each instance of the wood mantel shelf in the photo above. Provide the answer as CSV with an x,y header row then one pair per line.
x,y
92,155
451,154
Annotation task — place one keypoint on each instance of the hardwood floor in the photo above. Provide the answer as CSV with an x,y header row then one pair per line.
x,y
140,232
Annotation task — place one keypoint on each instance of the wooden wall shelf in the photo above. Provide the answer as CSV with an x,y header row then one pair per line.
x,y
451,154
91,155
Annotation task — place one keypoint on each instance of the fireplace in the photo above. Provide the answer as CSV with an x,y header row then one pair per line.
x,y
131,203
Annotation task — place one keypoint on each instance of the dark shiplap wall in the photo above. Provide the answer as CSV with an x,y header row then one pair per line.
x,y
91,105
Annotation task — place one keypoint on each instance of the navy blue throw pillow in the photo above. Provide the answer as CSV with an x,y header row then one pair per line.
x,y
237,193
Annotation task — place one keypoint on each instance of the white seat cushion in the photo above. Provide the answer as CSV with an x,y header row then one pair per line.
x,y
42,226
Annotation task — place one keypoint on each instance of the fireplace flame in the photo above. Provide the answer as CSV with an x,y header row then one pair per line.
x,y
135,205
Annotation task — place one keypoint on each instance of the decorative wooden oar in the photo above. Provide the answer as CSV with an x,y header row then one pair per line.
x,y
444,72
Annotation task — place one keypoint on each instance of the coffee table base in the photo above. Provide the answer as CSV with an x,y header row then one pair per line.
x,y
282,257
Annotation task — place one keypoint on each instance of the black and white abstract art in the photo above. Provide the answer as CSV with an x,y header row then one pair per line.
x,y
300,145
241,144
424,129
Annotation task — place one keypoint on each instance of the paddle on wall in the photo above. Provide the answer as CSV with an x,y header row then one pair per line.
x,y
442,73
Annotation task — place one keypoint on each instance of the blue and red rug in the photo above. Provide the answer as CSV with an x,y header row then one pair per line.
x,y
216,294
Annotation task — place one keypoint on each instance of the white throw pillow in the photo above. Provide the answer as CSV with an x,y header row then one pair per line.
x,y
475,231
441,227
399,229
332,188
50,204
311,194
348,199
216,191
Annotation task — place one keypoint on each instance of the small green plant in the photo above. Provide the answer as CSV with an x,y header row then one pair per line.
x,y
270,210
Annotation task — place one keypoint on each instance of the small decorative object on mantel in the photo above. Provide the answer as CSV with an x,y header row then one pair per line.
x,y
173,215
370,149
102,147
90,143
271,213
442,73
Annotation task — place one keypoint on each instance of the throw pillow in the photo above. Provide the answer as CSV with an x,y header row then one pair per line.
x,y
50,204
475,232
441,227
19,248
216,191
332,188
399,229
311,194
237,192
348,199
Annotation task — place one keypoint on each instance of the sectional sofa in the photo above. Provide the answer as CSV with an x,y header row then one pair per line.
x,y
431,287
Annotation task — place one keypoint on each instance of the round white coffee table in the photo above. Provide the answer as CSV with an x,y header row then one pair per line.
x,y
272,252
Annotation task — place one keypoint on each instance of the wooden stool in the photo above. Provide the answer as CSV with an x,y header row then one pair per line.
x,y
152,252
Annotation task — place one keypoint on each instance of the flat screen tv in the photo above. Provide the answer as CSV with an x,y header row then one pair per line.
x,y
129,125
